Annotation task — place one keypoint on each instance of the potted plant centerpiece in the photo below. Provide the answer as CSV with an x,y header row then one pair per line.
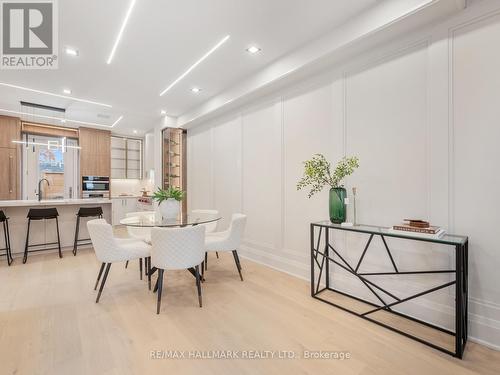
x,y
169,201
317,175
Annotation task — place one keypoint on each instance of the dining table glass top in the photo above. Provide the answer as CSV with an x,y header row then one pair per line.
x,y
155,219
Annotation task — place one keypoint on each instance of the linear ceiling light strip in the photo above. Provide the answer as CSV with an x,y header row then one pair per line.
x,y
120,33
214,48
59,118
52,94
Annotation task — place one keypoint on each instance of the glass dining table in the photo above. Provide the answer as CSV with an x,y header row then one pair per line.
x,y
154,219
140,224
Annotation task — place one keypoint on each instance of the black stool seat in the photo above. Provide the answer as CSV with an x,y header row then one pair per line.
x,y
90,211
5,222
42,214
84,212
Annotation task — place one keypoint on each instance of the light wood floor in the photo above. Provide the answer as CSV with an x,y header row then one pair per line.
x,y
50,324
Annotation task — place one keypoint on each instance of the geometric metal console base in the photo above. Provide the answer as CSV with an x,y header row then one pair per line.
x,y
320,266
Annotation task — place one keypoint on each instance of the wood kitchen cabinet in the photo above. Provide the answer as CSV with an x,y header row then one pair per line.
x,y
10,130
9,177
95,152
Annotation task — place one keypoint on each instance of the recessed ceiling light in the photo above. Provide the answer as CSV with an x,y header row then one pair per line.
x,y
253,49
67,91
58,118
163,112
120,33
196,90
212,50
71,51
135,131
52,94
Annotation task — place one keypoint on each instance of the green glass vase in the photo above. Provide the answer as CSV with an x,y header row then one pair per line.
x,y
337,205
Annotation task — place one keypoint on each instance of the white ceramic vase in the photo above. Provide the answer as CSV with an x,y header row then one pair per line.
x,y
170,208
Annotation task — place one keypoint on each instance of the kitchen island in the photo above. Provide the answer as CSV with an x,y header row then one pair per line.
x,y
45,231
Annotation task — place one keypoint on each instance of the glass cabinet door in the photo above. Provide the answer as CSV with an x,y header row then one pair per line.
x,y
126,158
118,157
134,158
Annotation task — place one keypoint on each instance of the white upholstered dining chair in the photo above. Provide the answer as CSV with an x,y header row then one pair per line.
x,y
209,227
177,249
210,214
140,233
109,249
228,240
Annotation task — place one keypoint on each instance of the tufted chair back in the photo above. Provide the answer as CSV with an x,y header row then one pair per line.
x,y
235,232
177,248
210,214
104,243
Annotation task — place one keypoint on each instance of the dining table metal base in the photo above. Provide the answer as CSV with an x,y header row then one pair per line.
x,y
191,270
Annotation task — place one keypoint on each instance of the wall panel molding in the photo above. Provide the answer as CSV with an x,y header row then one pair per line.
x,y
333,130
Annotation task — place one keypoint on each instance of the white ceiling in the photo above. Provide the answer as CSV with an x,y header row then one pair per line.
x,y
162,39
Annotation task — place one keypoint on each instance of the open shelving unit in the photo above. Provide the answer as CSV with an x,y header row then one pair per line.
x,y
174,160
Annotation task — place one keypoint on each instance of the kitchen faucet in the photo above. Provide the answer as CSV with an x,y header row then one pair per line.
x,y
40,188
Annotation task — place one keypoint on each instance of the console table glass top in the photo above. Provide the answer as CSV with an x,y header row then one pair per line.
x,y
448,239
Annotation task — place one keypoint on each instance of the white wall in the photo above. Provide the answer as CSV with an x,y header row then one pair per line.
x,y
422,114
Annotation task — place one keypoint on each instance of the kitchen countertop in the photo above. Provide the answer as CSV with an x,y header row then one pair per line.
x,y
126,196
54,202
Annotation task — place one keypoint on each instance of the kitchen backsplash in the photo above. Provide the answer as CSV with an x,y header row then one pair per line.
x,y
132,187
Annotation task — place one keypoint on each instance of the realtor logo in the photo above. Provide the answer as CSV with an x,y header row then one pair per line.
x,y
29,34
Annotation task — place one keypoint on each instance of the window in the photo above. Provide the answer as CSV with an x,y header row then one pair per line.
x,y
52,158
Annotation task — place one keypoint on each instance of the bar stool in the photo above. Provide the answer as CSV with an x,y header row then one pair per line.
x,y
5,221
84,212
41,214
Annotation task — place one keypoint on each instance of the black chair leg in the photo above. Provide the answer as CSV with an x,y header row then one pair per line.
x,y
217,254
99,276
160,287
7,252
198,282
77,229
25,257
237,261
103,282
148,259
8,242
58,238
140,268
126,264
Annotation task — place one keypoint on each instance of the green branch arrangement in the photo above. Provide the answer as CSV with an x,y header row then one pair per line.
x,y
317,173
161,195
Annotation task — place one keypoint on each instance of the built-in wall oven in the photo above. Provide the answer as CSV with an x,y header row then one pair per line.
x,y
95,187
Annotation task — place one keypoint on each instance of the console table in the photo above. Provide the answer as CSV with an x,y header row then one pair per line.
x,y
324,253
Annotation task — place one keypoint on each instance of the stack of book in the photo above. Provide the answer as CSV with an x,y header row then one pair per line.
x,y
418,228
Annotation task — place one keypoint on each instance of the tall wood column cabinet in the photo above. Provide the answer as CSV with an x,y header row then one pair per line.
x,y
10,179
95,152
